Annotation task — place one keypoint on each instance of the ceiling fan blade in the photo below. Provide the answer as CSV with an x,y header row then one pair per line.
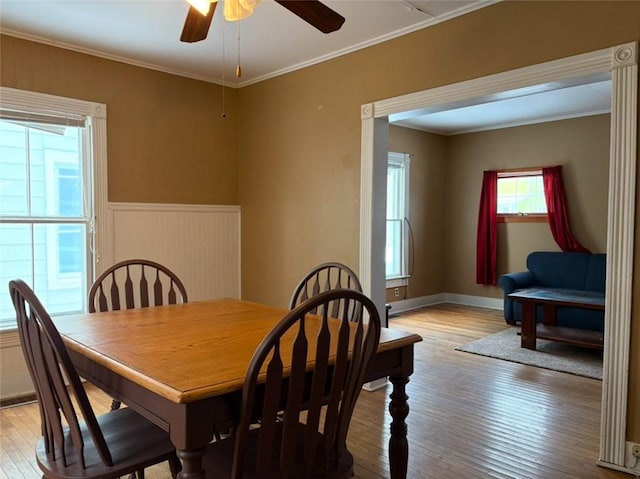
x,y
196,26
315,13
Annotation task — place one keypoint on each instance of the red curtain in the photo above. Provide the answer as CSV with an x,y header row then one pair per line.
x,y
557,210
487,244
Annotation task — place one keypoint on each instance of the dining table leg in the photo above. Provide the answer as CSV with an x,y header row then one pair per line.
x,y
191,464
398,445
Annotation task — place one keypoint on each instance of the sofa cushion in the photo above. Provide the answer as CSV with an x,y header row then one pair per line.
x,y
559,270
595,279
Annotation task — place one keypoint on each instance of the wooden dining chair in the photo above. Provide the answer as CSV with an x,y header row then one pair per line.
x,y
304,378
135,283
76,443
325,277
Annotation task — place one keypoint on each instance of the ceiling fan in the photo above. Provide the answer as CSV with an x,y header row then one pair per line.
x,y
314,12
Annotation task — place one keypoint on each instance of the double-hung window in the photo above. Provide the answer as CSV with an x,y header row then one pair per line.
x,y
396,253
47,209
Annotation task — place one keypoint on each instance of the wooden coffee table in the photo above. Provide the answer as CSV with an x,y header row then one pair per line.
x,y
550,299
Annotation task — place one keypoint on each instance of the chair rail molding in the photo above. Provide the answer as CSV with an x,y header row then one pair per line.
x,y
618,62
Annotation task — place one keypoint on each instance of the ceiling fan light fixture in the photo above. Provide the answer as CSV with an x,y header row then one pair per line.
x,y
201,13
202,6
235,10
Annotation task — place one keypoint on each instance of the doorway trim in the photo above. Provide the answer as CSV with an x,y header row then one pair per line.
x,y
621,62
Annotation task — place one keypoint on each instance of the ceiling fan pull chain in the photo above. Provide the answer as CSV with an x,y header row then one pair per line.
x,y
224,111
238,69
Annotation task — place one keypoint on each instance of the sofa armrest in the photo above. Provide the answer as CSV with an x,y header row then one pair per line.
x,y
513,281
509,283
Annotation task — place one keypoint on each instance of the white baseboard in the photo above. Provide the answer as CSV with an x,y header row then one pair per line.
x,y
415,303
467,300
375,385
477,301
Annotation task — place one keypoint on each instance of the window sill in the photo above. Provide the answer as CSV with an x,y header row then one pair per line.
x,y
397,282
531,218
9,338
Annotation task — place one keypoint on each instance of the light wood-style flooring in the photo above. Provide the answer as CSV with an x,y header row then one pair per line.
x,y
471,417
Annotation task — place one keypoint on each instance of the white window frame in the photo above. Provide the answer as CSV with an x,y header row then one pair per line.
x,y
403,161
95,115
521,215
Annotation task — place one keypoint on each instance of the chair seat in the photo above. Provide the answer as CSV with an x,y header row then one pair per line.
x,y
134,442
218,460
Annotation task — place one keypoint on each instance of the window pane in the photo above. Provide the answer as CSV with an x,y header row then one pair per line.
x,y
521,194
17,262
32,161
394,191
71,251
60,260
53,267
13,170
397,210
55,172
41,176
69,193
393,256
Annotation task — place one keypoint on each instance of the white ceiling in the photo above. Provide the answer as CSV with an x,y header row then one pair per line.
x,y
548,103
273,41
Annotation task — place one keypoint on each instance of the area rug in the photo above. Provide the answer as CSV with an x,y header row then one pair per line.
x,y
549,354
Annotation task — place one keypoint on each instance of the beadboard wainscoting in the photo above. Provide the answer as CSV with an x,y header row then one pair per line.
x,y
200,243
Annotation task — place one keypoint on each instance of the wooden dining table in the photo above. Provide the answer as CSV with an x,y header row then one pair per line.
x,y
183,367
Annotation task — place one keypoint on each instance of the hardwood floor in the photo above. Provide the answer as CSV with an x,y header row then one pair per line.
x,y
471,416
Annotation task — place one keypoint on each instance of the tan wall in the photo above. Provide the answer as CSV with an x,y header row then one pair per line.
x,y
299,150
299,174
300,183
580,145
390,295
301,169
426,190
166,140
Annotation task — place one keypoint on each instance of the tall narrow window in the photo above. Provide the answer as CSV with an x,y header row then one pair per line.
x,y
396,259
45,209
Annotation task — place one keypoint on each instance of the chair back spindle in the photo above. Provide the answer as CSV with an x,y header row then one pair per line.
x,y
128,283
326,277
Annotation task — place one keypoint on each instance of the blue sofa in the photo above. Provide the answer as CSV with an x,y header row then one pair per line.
x,y
550,269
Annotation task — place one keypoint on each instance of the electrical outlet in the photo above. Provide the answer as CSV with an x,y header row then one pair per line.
x,y
396,292
635,450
